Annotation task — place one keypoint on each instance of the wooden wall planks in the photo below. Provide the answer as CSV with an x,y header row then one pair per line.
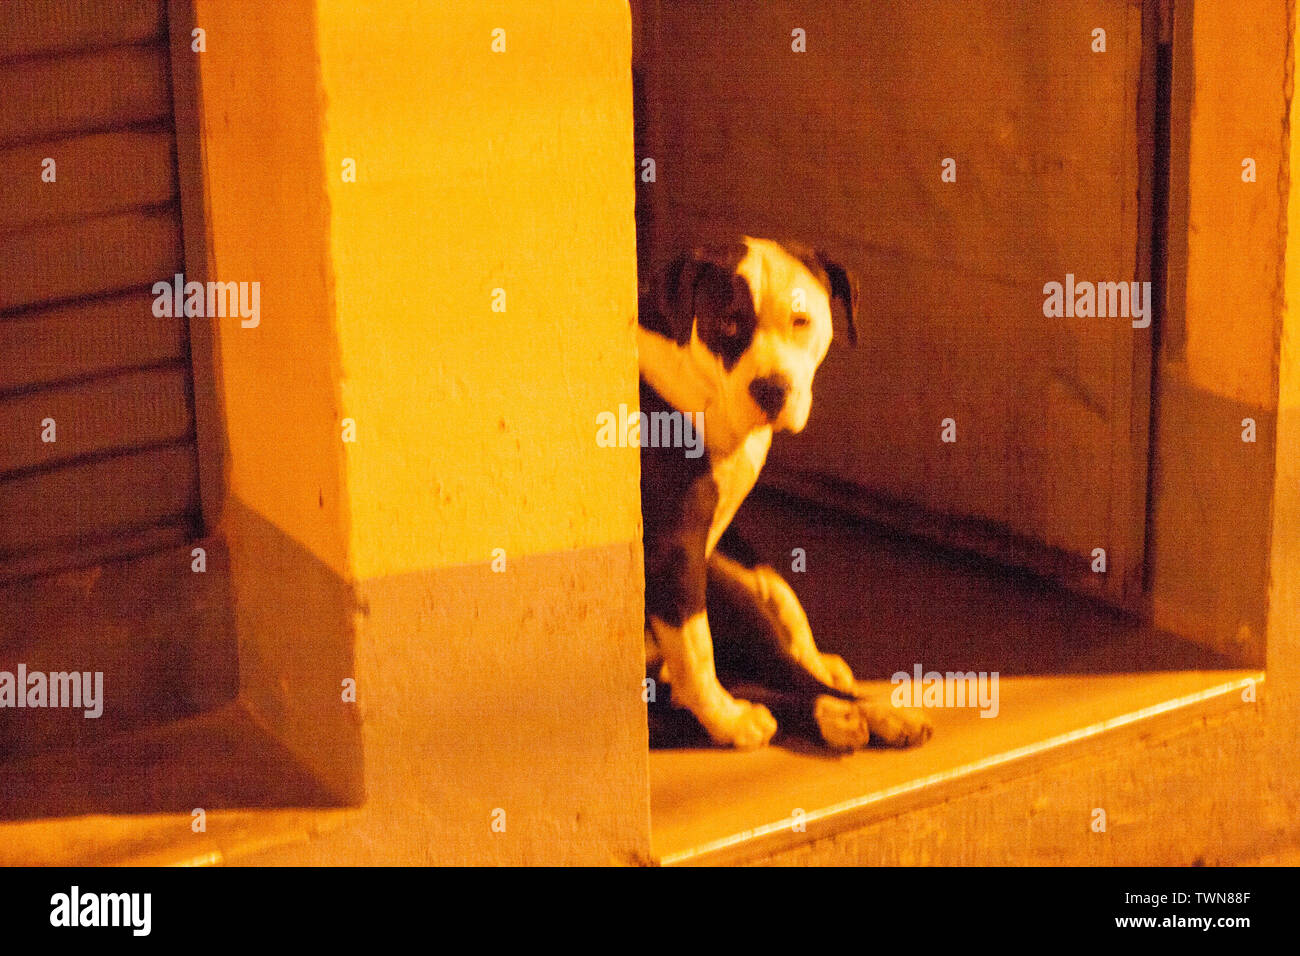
x,y
105,414
87,84
97,498
83,339
97,174
89,257
101,90
33,27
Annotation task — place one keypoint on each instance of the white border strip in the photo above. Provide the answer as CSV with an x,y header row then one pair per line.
x,y
964,770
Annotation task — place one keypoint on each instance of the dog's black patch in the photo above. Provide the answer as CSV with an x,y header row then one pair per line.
x,y
678,499
702,287
725,316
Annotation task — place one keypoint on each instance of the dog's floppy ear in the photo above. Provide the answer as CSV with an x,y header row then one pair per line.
x,y
840,283
844,290
691,282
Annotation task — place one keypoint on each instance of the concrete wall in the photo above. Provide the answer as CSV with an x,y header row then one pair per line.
x,y
1217,364
1209,778
1283,627
273,480
476,171
477,690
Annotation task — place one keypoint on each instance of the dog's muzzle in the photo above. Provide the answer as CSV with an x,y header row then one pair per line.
x,y
770,393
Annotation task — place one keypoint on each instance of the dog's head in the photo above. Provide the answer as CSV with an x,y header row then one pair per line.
x,y
756,317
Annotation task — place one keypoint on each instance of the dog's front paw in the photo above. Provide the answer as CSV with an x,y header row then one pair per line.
x,y
896,726
853,724
842,723
742,725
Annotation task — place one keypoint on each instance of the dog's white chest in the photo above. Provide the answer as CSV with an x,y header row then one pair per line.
x,y
735,476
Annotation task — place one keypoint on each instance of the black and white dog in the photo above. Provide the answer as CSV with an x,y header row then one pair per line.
x,y
736,333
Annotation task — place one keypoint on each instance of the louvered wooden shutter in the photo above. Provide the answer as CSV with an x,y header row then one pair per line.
x,y
87,84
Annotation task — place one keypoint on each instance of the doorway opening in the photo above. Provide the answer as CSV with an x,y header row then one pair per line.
x,y
984,486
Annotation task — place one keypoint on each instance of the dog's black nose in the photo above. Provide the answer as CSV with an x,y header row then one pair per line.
x,y
770,393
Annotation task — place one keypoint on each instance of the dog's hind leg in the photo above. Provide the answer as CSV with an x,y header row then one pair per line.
x,y
741,572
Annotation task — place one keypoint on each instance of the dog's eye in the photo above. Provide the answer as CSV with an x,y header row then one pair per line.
x,y
800,321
